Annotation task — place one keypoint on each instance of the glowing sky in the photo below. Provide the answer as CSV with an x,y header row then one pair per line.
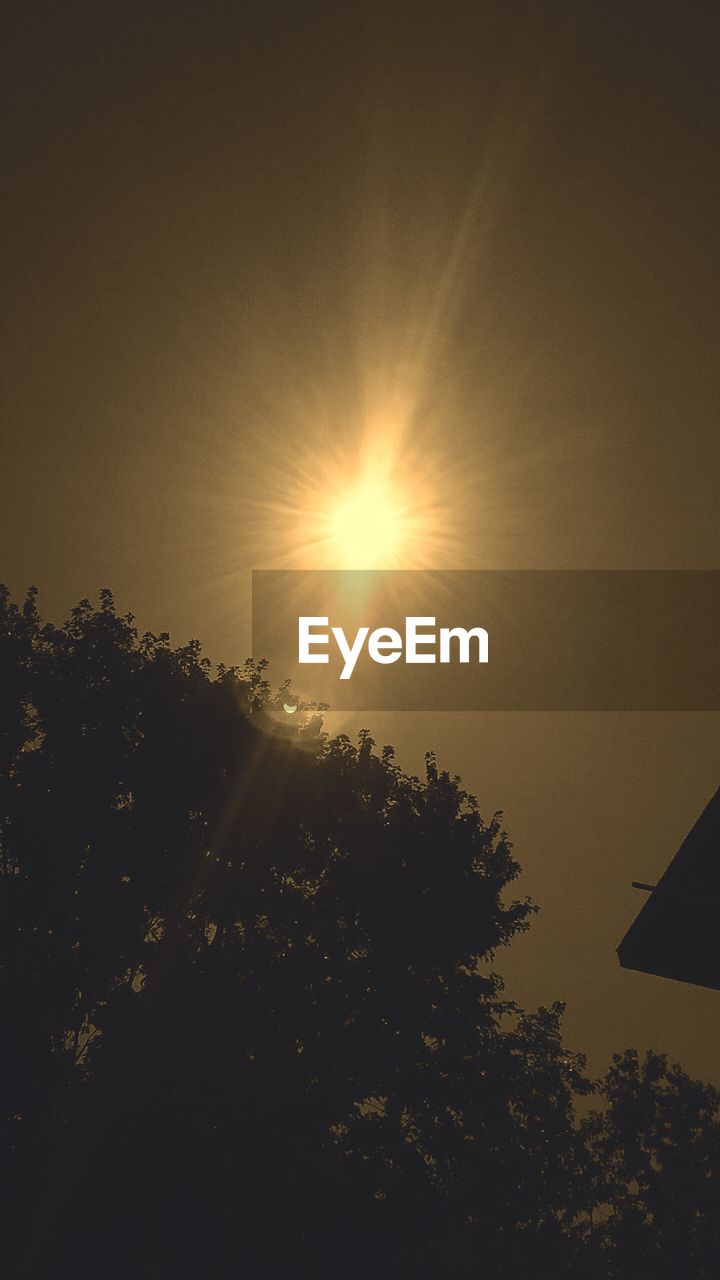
x,y
428,283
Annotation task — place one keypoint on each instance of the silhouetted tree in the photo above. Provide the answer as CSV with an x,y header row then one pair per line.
x,y
658,1145
251,1023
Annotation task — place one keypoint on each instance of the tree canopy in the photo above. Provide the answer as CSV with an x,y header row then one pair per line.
x,y
253,1025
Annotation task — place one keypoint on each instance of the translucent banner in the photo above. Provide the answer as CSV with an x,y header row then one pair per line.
x,y
495,640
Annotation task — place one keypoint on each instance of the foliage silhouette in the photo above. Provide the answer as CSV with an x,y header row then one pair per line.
x,y
252,1026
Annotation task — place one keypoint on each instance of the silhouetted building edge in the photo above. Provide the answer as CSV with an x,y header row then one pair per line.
x,y
677,932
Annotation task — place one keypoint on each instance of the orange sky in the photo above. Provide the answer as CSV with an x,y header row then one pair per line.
x,y
235,240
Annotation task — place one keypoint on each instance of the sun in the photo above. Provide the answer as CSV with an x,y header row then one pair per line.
x,y
380,501
369,526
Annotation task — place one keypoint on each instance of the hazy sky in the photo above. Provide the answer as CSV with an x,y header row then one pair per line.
x,y
233,232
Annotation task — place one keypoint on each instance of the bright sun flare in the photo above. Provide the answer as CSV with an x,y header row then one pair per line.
x,y
369,526
380,509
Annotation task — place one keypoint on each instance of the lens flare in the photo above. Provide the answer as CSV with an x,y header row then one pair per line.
x,y
384,514
379,505
369,527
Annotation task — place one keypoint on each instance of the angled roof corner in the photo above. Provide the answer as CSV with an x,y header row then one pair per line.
x,y
677,932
